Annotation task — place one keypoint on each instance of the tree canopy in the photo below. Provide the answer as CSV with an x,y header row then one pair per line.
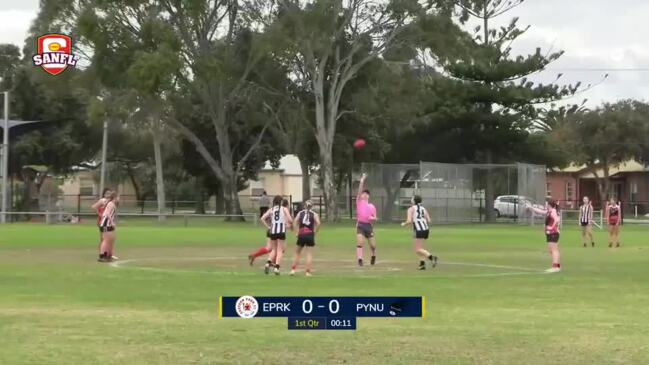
x,y
243,82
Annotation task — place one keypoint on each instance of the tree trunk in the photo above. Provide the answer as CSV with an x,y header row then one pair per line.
x,y
328,186
159,176
139,199
200,197
603,183
231,200
306,179
230,173
219,207
325,145
28,183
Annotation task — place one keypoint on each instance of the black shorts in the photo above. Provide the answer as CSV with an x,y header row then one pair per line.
x,y
278,236
584,224
106,229
552,237
306,240
365,229
422,235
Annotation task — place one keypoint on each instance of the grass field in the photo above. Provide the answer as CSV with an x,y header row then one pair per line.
x,y
488,302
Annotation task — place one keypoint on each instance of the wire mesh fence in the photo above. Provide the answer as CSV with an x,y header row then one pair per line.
x,y
458,193
79,204
134,219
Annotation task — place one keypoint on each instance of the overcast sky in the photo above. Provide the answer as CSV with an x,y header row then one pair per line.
x,y
598,36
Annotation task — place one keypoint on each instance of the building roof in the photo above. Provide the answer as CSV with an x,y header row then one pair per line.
x,y
573,168
625,167
288,165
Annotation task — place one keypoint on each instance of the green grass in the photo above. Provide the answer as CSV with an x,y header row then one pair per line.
x,y
59,306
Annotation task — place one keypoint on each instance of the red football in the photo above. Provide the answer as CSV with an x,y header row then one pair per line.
x,y
360,143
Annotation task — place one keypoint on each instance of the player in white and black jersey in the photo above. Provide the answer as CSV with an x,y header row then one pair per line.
x,y
280,221
419,218
307,223
586,222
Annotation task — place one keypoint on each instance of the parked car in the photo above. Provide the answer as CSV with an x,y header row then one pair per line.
x,y
511,205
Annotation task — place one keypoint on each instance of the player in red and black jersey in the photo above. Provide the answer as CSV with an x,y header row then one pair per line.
x,y
99,207
107,228
613,212
552,223
307,223
262,250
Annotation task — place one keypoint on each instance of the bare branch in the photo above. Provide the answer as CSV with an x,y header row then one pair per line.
x,y
199,145
344,112
254,146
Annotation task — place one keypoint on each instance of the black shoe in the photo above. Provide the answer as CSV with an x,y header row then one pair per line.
x,y
584,245
610,244
360,262
617,244
267,269
592,244
434,261
373,260
422,267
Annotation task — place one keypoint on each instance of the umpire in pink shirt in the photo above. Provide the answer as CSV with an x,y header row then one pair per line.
x,y
365,216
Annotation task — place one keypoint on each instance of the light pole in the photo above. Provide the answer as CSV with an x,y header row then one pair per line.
x,y
5,158
104,147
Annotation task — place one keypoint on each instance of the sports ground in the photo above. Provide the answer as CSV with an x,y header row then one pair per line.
x,y
488,301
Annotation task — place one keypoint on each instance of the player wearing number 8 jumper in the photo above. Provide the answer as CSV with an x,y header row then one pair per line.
x,y
280,220
419,218
307,224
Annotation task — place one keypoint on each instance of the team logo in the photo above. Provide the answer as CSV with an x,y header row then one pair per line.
x,y
247,306
54,53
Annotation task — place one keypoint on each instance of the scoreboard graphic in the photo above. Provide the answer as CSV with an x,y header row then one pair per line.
x,y
321,313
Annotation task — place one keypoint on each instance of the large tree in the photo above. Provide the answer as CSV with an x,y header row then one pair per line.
x,y
189,109
605,137
9,60
498,101
292,110
63,139
216,59
330,41
221,55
